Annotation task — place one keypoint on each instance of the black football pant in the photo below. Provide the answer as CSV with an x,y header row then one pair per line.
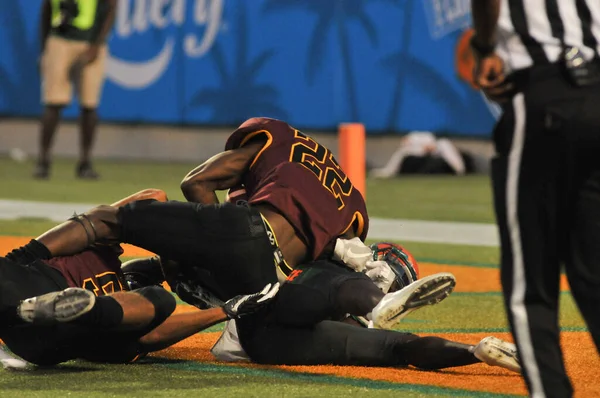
x,y
226,244
49,345
302,327
21,281
546,180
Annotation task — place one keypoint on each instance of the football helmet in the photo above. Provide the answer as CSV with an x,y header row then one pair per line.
x,y
400,260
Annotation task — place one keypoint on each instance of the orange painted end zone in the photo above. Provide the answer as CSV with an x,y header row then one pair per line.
x,y
7,243
582,362
474,279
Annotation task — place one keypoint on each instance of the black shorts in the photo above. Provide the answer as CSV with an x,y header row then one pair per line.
x,y
309,294
49,345
19,282
228,241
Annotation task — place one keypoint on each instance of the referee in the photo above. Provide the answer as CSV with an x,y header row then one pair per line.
x,y
540,59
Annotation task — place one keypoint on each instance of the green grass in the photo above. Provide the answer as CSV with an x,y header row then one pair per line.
x,y
422,198
444,198
476,256
119,179
478,312
176,379
465,199
25,227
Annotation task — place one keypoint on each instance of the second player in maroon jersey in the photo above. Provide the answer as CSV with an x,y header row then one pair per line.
x,y
302,180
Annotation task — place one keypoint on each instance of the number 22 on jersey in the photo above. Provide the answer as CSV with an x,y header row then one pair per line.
x,y
320,161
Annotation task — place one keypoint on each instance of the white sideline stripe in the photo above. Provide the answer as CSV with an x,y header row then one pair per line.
x,y
459,233
380,228
517,305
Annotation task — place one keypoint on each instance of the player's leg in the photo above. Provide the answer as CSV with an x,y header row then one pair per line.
x,y
92,79
230,240
57,90
49,123
147,223
142,309
144,194
337,343
17,282
74,235
526,186
325,290
327,342
81,231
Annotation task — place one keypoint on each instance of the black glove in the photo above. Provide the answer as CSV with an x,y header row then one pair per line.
x,y
196,295
248,304
143,272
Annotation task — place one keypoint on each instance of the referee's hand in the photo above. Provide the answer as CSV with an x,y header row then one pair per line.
x,y
490,78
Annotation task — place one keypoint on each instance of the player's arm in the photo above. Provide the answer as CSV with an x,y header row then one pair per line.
x,y
183,325
485,20
488,73
150,193
220,172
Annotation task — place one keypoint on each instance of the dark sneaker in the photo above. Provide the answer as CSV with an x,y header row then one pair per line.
x,y
86,172
42,171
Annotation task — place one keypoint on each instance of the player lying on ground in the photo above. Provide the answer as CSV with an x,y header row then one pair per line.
x,y
309,307
118,326
30,271
301,203
307,323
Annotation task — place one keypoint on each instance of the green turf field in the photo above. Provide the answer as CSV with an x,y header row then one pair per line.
x,y
421,198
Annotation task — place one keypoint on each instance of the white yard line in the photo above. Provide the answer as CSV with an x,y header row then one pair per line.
x,y
459,233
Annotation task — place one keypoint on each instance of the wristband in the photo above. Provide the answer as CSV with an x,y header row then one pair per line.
x,y
481,50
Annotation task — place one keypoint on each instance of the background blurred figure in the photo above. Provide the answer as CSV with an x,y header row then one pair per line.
x,y
540,60
420,152
73,44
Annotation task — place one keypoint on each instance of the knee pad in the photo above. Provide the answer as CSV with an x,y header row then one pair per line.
x,y
163,301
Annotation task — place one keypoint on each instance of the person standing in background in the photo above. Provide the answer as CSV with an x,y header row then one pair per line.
x,y
73,46
541,60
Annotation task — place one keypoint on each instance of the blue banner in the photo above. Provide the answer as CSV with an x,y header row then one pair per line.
x,y
394,65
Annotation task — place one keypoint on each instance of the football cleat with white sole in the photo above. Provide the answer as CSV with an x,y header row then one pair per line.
x,y
57,307
10,361
496,352
393,307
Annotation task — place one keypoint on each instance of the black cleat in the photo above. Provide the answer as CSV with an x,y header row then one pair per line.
x,y
42,171
85,171
57,307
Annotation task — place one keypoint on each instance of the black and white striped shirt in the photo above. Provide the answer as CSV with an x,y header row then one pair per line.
x,y
533,31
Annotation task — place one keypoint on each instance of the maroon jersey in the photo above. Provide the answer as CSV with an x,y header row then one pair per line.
x,y
303,181
97,269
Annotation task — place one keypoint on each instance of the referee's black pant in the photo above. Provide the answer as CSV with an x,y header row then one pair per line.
x,y
546,179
